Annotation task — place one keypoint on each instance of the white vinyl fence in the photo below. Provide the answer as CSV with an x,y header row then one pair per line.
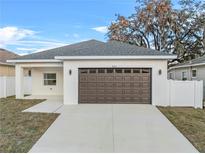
x,y
7,86
185,93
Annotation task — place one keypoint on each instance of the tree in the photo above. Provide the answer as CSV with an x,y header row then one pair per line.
x,y
156,24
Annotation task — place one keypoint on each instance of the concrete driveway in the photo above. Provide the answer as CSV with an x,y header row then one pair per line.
x,y
50,105
112,128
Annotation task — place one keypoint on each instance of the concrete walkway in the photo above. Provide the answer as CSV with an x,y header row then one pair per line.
x,y
112,128
51,105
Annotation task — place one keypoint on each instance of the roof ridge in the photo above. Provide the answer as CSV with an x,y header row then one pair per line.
x,y
56,48
95,48
136,46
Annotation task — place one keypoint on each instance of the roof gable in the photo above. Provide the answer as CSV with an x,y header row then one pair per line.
x,y
5,55
197,61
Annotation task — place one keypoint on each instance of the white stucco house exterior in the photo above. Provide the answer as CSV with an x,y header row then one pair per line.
x,y
97,72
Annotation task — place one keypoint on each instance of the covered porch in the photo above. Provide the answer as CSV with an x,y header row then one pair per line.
x,y
47,81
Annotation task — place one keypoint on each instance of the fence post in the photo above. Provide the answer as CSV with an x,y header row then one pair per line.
x,y
198,98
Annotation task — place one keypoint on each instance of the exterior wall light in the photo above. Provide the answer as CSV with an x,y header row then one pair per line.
x,y
70,72
160,71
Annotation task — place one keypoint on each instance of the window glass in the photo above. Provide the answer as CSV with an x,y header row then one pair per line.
x,y
49,82
118,71
127,71
101,71
136,71
109,70
184,76
49,78
145,70
92,71
171,76
84,71
194,73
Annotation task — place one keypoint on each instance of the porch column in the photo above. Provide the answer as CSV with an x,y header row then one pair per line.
x,y
19,81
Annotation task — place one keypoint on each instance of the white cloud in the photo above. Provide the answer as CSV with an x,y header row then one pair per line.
x,y
42,45
101,29
26,41
23,53
47,48
26,49
9,35
39,43
76,35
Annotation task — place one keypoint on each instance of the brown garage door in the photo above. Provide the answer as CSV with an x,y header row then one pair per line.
x,y
108,85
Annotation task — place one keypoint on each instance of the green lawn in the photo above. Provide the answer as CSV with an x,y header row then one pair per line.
x,y
19,131
190,122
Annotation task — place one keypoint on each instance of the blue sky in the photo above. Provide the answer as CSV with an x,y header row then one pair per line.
x,y
28,26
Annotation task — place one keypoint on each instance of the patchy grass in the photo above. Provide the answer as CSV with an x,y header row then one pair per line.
x,y
19,131
190,122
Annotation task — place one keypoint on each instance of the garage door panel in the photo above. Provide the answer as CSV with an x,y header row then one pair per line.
x,y
91,92
118,84
129,85
109,78
91,98
83,78
91,84
101,78
108,84
92,78
100,91
118,78
128,78
109,98
109,91
118,91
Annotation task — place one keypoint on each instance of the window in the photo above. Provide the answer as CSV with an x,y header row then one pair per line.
x,y
109,70
171,76
83,71
184,76
91,71
136,71
193,73
49,79
145,70
101,71
127,71
118,71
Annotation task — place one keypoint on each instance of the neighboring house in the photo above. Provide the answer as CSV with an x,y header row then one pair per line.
x,y
97,72
192,70
7,69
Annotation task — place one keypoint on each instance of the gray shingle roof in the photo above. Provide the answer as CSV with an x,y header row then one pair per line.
x,y
199,60
94,48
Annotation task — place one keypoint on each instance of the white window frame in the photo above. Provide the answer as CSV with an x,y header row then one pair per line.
x,y
184,72
194,69
49,79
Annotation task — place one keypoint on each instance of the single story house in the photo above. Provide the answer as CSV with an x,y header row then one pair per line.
x,y
6,69
97,72
191,70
